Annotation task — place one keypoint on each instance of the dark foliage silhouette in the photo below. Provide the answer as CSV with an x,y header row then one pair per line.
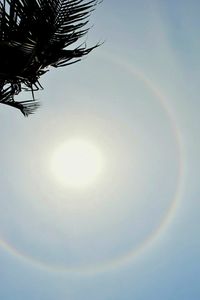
x,y
36,34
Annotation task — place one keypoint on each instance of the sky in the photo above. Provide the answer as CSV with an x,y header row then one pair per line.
x,y
134,232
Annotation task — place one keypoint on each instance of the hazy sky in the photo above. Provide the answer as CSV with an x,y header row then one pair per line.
x,y
134,232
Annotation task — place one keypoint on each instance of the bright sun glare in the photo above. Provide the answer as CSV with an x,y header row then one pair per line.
x,y
77,163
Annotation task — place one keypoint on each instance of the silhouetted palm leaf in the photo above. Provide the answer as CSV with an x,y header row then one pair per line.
x,y
35,34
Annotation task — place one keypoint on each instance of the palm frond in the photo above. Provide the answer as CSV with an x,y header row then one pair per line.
x,y
35,35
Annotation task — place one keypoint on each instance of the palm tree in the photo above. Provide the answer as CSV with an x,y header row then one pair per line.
x,y
36,34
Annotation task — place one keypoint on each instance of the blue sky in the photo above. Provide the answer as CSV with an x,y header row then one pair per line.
x,y
133,234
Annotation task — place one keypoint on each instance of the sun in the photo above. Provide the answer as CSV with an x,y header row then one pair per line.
x,y
77,163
